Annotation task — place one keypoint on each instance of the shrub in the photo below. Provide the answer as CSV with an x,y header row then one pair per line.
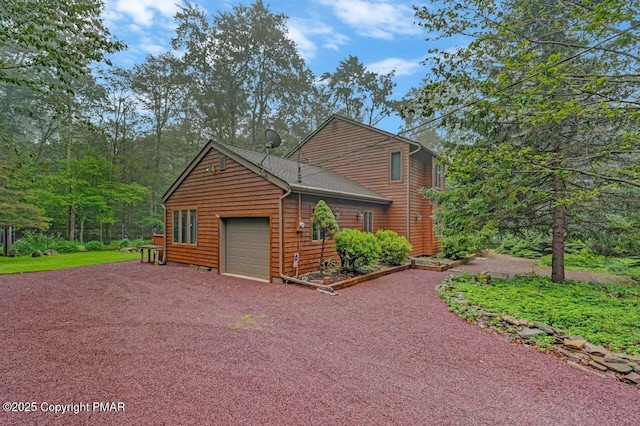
x,y
357,249
94,246
394,248
64,246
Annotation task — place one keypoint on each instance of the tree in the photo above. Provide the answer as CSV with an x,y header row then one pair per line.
x,y
48,44
326,222
244,72
546,95
359,94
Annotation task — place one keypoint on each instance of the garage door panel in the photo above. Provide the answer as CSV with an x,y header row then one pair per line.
x,y
247,247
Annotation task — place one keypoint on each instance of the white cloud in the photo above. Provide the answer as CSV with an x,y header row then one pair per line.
x,y
401,66
304,33
381,19
143,12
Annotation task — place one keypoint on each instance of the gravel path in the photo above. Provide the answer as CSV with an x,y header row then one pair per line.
x,y
180,346
496,262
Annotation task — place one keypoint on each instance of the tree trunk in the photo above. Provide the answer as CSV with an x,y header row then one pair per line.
x,y
559,231
321,256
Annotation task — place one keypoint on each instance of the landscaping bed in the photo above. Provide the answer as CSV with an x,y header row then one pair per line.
x,y
592,325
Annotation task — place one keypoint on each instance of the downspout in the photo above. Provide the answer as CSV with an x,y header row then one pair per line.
x,y
409,192
287,278
164,240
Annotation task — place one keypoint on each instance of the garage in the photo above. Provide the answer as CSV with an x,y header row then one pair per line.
x,y
247,247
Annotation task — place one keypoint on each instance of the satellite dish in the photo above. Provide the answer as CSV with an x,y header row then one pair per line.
x,y
273,138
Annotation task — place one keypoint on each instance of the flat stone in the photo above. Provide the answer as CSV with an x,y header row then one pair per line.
x,y
633,378
597,366
595,350
544,327
615,366
568,354
510,320
574,343
614,359
528,333
524,322
632,358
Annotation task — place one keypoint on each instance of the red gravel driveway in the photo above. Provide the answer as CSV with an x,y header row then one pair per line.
x,y
179,346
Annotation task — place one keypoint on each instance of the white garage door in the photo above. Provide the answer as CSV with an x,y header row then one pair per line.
x,y
247,250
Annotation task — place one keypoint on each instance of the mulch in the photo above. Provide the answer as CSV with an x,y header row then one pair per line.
x,y
182,346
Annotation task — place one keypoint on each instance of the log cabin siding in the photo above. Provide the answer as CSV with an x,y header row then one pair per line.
x,y
299,207
233,192
364,156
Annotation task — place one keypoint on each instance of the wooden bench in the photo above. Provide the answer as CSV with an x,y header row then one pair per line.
x,y
153,253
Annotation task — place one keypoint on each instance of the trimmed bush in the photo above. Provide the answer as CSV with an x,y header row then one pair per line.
x,y
357,249
395,248
94,246
64,246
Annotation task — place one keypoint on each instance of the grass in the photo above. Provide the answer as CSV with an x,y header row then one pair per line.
x,y
606,315
14,265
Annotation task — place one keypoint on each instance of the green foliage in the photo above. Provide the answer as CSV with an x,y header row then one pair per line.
x,y
323,217
546,138
357,249
94,246
607,315
588,259
395,249
64,246
543,341
54,41
33,241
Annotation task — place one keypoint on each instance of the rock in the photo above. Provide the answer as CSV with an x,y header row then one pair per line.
x,y
568,354
632,358
633,378
637,369
615,366
36,253
614,359
510,320
544,327
528,333
574,343
50,252
595,350
597,366
524,322
326,280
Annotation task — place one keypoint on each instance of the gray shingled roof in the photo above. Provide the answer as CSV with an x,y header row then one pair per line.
x,y
314,179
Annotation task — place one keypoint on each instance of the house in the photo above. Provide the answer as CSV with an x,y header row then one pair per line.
x,y
247,213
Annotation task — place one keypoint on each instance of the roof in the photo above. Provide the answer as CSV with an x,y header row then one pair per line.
x,y
284,173
389,136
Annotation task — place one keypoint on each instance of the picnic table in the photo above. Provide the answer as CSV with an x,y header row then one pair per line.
x,y
153,253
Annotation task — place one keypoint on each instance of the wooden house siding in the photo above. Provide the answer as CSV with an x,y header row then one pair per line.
x,y
230,193
299,207
364,156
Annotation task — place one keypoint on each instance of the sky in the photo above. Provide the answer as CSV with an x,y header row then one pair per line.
x,y
383,34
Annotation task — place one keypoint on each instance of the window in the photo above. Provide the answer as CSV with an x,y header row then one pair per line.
x,y
317,234
223,163
396,166
439,176
368,221
185,226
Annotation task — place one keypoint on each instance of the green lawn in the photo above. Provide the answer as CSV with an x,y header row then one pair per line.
x,y
13,265
607,315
